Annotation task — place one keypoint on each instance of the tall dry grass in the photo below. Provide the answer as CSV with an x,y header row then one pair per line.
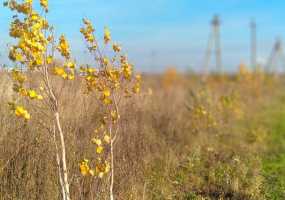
x,y
184,139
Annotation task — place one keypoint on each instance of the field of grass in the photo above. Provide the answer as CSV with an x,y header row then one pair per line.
x,y
180,138
274,159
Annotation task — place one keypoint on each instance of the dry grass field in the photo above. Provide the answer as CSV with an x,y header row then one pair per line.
x,y
180,138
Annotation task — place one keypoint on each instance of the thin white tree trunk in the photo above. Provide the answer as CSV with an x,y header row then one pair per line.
x,y
63,157
54,108
113,136
144,191
112,171
58,166
60,177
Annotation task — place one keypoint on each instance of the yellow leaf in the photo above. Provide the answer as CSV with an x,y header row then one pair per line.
x,y
107,139
99,149
96,141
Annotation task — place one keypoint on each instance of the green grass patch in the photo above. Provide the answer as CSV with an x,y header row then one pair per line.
x,y
274,158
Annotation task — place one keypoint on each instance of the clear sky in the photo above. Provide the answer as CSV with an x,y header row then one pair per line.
x,y
161,33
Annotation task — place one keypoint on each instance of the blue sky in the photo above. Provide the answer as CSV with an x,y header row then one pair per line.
x,y
162,33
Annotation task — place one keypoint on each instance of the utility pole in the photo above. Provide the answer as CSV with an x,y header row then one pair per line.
x,y
152,60
253,47
216,28
276,53
214,43
153,55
